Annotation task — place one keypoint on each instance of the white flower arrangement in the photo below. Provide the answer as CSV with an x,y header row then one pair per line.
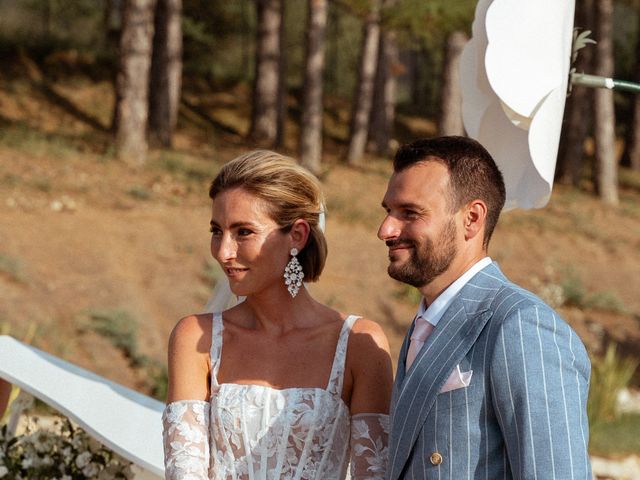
x,y
62,452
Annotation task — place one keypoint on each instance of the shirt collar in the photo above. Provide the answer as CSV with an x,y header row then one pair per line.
x,y
433,313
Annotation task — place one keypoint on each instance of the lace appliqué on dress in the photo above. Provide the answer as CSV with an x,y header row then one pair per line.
x,y
369,446
186,440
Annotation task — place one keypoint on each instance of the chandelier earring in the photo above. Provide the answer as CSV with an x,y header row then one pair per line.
x,y
293,274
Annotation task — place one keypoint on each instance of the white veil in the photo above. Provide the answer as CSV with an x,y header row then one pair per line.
x,y
222,298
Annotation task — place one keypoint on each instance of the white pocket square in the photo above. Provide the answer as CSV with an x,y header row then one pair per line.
x,y
457,380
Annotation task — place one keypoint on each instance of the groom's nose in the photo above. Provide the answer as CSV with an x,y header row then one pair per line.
x,y
389,229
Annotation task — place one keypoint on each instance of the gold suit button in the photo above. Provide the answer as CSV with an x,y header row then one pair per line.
x,y
436,458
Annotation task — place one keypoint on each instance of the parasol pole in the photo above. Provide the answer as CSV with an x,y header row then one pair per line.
x,y
595,81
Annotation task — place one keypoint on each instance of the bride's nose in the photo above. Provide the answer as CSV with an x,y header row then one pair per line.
x,y
224,248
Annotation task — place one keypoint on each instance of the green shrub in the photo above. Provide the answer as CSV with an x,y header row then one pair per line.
x,y
139,192
408,294
573,290
13,268
609,375
120,328
606,300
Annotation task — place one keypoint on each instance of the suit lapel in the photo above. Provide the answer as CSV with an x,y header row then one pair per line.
x,y
400,370
415,392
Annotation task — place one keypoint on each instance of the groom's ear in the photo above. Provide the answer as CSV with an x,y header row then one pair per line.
x,y
299,233
474,218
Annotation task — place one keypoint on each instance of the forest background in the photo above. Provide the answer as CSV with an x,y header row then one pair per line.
x,y
115,116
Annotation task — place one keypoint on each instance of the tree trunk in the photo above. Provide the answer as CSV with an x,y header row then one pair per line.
x,y
579,108
383,110
166,71
311,128
451,93
364,87
133,80
113,31
606,166
633,137
264,118
282,81
246,40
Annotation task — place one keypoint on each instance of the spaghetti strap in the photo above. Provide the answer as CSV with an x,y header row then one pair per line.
x,y
337,369
216,346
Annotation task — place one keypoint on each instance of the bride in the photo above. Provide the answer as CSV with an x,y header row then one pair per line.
x,y
279,386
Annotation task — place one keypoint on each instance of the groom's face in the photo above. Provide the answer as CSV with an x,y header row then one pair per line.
x,y
420,226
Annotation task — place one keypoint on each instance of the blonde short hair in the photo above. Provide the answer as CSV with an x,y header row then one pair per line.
x,y
289,192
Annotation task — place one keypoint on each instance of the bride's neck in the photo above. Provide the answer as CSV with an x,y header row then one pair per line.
x,y
281,312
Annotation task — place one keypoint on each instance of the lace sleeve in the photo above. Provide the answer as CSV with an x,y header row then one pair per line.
x,y
186,440
369,449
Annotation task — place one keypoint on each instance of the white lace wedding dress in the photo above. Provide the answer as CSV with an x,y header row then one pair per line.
x,y
253,432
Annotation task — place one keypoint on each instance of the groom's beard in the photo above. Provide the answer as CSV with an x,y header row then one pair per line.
x,y
427,261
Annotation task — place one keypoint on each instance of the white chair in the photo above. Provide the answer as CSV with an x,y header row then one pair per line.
x,y
122,419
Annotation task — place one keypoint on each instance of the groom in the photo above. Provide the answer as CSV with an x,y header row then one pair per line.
x,y
491,383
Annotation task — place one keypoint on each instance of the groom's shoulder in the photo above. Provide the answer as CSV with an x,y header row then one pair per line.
x,y
512,298
499,294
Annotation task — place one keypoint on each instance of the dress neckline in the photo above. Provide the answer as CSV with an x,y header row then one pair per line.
x,y
336,376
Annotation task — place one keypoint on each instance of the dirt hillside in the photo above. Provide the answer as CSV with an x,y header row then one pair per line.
x,y
83,236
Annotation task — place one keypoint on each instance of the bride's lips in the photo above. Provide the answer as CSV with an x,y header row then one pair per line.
x,y
234,271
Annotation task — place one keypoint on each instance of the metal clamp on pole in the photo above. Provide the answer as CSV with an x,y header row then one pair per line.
x,y
594,81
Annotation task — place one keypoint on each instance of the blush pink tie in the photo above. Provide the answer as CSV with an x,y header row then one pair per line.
x,y
420,333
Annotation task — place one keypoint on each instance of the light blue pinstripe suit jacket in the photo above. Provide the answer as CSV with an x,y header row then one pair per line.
x,y
524,413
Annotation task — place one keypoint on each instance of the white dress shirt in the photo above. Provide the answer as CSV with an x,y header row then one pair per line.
x,y
433,313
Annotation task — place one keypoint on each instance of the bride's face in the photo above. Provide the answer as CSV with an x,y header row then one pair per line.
x,y
247,243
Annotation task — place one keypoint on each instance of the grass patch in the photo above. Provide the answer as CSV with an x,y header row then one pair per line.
x,y
629,178
177,165
608,301
34,142
618,437
575,294
43,184
12,268
408,294
139,192
211,272
120,328
609,375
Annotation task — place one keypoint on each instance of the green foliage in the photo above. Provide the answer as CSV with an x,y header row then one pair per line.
x,y
574,290
44,26
13,268
408,294
213,27
61,451
211,272
609,375
431,20
120,328
575,294
180,166
606,300
157,379
31,141
617,437
139,192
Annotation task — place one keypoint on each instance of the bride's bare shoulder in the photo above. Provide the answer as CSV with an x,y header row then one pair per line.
x,y
192,333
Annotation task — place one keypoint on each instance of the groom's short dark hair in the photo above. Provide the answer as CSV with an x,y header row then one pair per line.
x,y
472,171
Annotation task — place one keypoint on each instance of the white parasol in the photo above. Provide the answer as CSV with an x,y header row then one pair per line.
x,y
514,74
